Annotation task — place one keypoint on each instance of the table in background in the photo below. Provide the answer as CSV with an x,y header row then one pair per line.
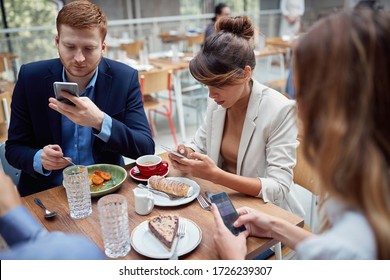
x,y
55,200
277,42
177,67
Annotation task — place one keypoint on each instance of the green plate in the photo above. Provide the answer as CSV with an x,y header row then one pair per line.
x,y
118,174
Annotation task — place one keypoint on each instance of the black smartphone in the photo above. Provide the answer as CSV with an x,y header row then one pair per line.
x,y
72,88
228,212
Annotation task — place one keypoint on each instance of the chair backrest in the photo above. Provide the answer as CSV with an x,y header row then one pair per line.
x,y
155,81
306,177
304,174
6,66
5,109
7,168
5,62
132,49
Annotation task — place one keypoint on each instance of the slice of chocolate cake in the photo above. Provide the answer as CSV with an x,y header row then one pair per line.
x,y
164,228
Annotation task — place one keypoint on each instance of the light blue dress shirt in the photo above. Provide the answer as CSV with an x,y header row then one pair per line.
x,y
76,139
28,240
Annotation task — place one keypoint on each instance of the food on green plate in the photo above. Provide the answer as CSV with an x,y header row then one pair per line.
x,y
98,177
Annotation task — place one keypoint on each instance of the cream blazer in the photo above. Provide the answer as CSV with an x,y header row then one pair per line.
x,y
268,144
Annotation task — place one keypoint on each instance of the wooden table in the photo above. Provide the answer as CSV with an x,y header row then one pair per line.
x,y
55,200
277,42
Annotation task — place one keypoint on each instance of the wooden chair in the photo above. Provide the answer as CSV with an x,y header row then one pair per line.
x,y
154,82
7,168
6,70
306,177
5,109
132,49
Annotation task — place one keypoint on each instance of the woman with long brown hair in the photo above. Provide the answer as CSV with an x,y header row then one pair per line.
x,y
342,70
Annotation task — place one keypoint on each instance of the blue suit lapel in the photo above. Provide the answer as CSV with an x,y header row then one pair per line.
x,y
103,90
54,117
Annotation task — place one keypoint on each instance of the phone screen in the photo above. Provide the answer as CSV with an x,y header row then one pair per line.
x,y
172,151
72,88
228,212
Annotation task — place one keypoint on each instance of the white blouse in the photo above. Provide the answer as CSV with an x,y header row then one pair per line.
x,y
349,237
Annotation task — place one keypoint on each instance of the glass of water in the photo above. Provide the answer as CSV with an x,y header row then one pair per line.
x,y
114,222
77,188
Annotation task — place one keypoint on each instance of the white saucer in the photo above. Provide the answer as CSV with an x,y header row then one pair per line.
x,y
139,177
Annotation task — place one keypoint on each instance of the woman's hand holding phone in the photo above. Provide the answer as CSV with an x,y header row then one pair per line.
x,y
228,245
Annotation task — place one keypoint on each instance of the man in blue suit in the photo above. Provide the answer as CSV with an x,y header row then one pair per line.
x,y
107,121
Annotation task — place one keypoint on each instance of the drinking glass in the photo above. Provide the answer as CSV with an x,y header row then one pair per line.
x,y
114,222
77,188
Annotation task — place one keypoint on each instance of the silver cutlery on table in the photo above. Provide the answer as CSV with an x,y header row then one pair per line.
x,y
180,234
170,196
203,203
48,214
207,196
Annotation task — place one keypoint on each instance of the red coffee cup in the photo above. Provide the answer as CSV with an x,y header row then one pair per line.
x,y
150,165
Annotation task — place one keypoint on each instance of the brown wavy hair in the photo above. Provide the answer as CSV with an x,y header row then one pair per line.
x,y
343,91
82,14
225,54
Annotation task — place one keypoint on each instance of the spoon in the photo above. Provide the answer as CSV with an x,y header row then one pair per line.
x,y
48,214
68,160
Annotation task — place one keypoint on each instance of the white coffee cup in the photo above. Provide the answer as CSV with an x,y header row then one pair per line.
x,y
143,201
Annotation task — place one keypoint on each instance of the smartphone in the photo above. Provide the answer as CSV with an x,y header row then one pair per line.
x,y
72,88
172,151
228,212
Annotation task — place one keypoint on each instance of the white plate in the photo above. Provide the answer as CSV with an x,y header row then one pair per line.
x,y
146,244
160,200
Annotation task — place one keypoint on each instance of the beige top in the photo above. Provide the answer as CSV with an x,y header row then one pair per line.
x,y
231,137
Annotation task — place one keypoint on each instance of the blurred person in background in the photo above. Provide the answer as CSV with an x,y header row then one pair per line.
x,y
221,10
344,109
292,12
107,122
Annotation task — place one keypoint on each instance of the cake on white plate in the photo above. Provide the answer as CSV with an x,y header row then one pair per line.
x,y
164,228
170,186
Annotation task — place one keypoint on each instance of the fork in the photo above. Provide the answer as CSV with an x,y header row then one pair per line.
x,y
180,234
170,196
203,203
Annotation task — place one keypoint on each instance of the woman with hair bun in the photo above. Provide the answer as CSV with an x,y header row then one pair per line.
x,y
248,139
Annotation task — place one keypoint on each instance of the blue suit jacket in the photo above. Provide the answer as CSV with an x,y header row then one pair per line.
x,y
34,125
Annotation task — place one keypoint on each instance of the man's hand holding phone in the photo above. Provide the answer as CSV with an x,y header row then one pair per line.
x,y
71,88
85,113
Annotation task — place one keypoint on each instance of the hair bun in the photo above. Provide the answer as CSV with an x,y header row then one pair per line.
x,y
240,26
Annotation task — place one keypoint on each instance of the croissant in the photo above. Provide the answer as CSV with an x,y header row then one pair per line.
x,y
170,186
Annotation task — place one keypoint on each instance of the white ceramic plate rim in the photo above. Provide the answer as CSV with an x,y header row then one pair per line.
x,y
144,180
147,245
160,200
